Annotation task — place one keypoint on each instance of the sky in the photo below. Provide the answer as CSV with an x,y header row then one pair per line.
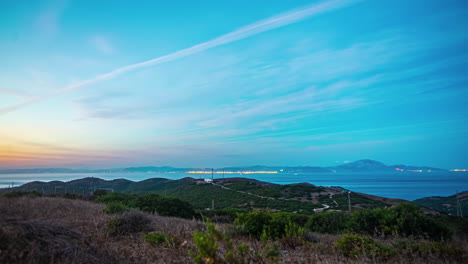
x,y
90,84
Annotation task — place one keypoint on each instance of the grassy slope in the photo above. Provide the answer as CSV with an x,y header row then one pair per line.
x,y
234,192
446,204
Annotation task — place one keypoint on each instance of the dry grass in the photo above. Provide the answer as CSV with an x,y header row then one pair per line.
x,y
75,231
89,221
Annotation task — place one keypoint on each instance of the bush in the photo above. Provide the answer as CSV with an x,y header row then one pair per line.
x,y
272,252
124,198
254,223
15,194
129,223
155,238
161,239
115,208
150,203
266,225
405,220
410,221
354,245
328,222
100,192
153,203
214,246
175,207
207,245
226,215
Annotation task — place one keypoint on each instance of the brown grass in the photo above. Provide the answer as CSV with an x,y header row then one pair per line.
x,y
56,230
88,220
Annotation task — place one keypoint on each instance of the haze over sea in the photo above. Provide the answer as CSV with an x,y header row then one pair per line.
x,y
408,186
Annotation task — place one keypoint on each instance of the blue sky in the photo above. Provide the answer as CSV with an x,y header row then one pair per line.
x,y
224,83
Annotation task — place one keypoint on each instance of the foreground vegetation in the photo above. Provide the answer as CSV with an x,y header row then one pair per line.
x,y
149,228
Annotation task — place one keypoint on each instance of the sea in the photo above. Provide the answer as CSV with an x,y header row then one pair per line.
x,y
400,185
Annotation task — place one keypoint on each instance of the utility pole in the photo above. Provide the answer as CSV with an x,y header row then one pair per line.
x,y
223,173
212,204
459,208
349,201
212,171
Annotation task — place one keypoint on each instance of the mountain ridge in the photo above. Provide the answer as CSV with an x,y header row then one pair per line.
x,y
363,165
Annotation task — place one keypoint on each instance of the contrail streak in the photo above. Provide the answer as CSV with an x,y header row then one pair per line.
x,y
241,33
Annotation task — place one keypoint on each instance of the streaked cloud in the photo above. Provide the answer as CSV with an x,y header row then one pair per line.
x,y
242,33
48,20
380,75
103,44
12,92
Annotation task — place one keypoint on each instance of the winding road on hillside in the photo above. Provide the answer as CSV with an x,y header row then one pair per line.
x,y
325,206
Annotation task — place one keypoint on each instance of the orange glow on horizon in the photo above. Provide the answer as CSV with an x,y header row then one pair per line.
x,y
14,154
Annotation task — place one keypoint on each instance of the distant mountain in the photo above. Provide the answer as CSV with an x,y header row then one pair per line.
x,y
280,169
365,165
368,165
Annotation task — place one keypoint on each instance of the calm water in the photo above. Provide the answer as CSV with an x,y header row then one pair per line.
x,y
407,186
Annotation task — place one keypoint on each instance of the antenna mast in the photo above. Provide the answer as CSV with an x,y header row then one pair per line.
x,y
349,201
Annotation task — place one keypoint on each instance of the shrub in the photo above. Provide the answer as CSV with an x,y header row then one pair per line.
x,y
161,239
175,207
405,220
155,238
354,245
254,222
226,215
272,252
128,223
153,203
123,198
115,208
15,194
214,246
147,202
328,222
100,192
207,245
266,225
410,221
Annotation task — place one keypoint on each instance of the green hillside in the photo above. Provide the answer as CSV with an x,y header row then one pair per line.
x,y
222,193
446,204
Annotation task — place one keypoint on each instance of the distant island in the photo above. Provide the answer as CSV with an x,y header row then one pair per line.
x,y
365,165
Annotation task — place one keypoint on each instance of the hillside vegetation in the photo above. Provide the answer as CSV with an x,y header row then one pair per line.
x,y
447,204
238,193
150,228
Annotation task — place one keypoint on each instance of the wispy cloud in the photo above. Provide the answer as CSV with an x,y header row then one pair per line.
x,y
242,33
103,44
48,19
12,92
